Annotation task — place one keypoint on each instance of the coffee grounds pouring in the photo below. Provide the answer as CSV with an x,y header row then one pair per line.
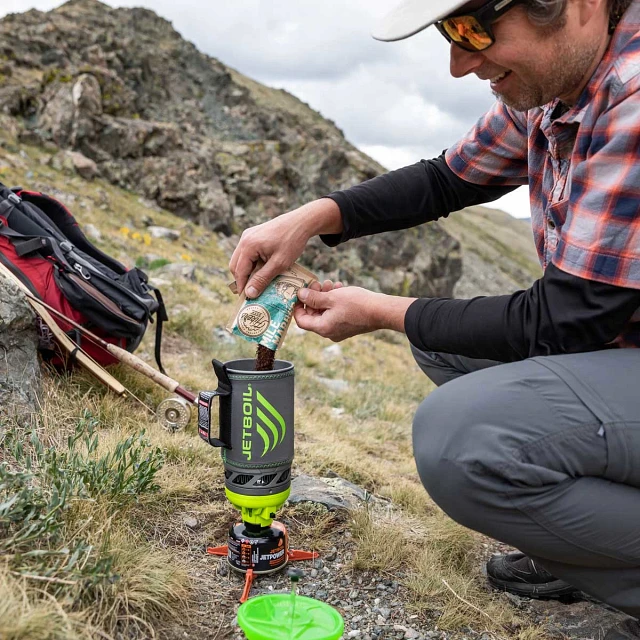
x,y
265,358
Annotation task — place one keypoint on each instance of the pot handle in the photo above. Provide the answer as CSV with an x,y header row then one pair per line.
x,y
205,399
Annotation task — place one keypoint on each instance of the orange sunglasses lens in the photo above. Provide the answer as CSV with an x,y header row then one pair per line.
x,y
467,32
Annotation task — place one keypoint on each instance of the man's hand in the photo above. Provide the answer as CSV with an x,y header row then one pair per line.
x,y
338,312
278,243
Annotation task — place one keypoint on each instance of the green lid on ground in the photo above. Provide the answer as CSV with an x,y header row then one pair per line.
x,y
268,617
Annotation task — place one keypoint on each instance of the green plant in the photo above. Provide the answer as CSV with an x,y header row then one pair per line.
x,y
159,262
120,475
41,485
144,263
56,75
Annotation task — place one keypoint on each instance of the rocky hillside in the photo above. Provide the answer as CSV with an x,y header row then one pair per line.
x,y
125,97
499,255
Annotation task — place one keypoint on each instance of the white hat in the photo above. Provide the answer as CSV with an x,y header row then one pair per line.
x,y
413,16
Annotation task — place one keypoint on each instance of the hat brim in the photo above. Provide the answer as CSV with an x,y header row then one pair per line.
x,y
411,17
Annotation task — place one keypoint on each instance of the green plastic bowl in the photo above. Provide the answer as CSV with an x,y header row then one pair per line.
x,y
268,617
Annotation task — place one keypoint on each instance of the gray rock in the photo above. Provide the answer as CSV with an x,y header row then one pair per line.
x,y
223,336
337,385
331,352
223,567
74,162
330,556
92,231
84,167
176,270
20,376
333,493
191,522
163,232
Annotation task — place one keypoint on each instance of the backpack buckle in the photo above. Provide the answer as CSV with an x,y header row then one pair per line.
x,y
78,268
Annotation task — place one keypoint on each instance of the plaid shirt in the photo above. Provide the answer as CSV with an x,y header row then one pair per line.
x,y
582,168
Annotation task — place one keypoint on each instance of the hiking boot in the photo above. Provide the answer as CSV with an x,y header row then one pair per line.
x,y
627,630
520,575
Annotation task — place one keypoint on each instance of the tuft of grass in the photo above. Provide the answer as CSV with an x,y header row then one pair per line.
x,y
26,615
147,586
192,324
409,496
433,558
380,543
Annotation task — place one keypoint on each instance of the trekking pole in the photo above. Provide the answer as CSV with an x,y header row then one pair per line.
x,y
131,360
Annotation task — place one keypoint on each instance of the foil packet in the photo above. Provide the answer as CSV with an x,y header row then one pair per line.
x,y
265,319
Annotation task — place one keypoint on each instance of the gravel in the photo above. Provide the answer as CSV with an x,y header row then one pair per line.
x,y
373,606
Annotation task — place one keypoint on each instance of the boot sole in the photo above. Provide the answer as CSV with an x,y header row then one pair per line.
x,y
547,591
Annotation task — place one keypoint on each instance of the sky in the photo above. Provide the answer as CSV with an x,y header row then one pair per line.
x,y
394,101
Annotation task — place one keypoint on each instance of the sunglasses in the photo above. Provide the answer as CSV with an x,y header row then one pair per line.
x,y
472,31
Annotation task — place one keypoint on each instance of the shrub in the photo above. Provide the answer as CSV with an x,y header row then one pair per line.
x,y
40,485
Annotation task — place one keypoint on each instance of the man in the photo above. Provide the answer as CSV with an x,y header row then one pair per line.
x,y
535,437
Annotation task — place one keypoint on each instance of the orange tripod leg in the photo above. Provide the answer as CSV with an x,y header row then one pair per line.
x,y
295,554
247,586
218,551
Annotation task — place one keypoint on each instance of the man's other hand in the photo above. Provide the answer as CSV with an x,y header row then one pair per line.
x,y
336,312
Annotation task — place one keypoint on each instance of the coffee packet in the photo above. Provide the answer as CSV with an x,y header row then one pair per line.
x,y
265,319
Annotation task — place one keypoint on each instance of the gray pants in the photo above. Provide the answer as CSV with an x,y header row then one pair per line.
x,y
544,455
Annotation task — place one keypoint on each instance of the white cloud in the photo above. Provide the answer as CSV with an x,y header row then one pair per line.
x,y
516,203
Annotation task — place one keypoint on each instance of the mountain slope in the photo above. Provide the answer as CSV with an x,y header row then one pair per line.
x,y
498,249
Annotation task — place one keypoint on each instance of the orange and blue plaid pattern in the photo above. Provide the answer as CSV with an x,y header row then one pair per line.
x,y
582,167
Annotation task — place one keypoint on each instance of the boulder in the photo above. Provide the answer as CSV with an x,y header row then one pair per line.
x,y
84,167
20,377
163,232
334,493
177,271
420,262
74,161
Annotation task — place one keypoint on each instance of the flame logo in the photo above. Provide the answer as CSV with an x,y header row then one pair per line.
x,y
270,425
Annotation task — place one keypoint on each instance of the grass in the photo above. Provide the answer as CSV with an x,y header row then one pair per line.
x,y
434,559
72,564
26,614
123,494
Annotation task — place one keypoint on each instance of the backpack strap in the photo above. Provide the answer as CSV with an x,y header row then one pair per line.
x,y
24,245
44,245
161,318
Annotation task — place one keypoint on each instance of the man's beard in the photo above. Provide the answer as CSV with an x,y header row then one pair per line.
x,y
561,78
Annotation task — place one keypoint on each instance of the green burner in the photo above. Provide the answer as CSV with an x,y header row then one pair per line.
x,y
283,616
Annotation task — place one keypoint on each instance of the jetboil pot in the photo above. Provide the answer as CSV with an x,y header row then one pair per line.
x,y
255,435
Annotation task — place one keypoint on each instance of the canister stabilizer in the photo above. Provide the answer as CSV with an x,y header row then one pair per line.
x,y
258,510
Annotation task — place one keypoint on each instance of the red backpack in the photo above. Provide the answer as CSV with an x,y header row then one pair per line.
x,y
42,244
